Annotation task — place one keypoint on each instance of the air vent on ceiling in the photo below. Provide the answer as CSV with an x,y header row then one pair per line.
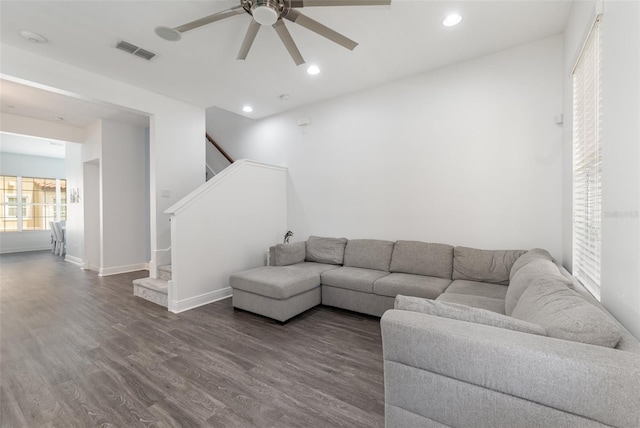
x,y
135,50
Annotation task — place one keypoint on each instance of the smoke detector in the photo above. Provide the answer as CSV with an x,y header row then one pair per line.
x,y
33,37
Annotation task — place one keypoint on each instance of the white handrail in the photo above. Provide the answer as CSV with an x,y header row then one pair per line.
x,y
179,206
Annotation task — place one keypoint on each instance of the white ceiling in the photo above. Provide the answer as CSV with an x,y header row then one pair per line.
x,y
37,103
20,144
396,41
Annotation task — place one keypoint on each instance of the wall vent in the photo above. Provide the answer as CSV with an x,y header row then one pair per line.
x,y
135,50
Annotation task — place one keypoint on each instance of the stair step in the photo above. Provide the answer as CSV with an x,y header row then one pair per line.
x,y
164,272
153,290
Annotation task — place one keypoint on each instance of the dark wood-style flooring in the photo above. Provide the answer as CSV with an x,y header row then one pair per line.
x,y
79,350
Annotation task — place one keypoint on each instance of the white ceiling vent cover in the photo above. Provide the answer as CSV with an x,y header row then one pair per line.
x,y
135,50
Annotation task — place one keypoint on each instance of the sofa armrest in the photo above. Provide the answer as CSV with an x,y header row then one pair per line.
x,y
576,379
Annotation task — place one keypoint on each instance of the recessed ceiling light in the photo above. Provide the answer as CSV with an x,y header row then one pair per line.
x,y
313,70
451,20
58,118
285,97
33,37
247,109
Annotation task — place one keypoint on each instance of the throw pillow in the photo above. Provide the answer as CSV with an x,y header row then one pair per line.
x,y
422,258
526,275
368,254
529,256
565,314
484,265
325,250
289,254
466,313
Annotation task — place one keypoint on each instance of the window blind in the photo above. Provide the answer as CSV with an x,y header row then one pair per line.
x,y
587,164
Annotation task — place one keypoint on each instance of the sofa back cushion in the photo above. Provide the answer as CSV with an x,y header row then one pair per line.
x,y
287,254
565,314
491,266
534,269
465,313
529,256
368,254
325,250
422,258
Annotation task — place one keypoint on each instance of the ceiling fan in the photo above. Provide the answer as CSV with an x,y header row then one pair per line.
x,y
273,13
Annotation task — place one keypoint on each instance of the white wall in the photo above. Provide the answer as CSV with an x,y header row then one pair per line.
x,y
176,129
92,233
31,166
620,132
621,162
29,240
123,198
91,153
225,226
28,166
75,210
114,190
15,124
465,155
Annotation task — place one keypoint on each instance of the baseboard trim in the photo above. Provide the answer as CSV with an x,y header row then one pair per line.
x,y
25,249
75,260
203,299
122,269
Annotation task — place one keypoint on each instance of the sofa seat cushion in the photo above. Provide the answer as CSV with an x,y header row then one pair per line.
x,y
482,302
413,285
484,265
368,254
466,313
352,278
534,269
280,282
565,314
475,288
422,258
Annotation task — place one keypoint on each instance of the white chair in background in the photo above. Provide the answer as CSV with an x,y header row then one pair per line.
x,y
59,239
53,237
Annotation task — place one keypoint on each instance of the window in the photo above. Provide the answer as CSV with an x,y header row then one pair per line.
x,y
11,206
587,164
37,200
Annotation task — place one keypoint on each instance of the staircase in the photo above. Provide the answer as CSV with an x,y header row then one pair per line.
x,y
154,290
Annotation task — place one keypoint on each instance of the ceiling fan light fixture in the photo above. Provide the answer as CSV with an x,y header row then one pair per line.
x,y
168,33
265,12
452,19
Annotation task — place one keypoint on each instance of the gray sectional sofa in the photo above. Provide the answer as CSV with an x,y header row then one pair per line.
x,y
471,338
366,275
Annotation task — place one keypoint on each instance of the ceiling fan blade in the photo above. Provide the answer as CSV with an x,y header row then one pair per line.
x,y
323,30
211,18
314,3
285,36
248,39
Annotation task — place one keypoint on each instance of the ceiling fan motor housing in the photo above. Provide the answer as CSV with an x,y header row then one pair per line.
x,y
266,12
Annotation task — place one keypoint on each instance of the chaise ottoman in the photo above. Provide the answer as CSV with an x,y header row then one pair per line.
x,y
279,292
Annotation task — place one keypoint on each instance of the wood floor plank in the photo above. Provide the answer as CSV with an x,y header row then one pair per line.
x,y
79,350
